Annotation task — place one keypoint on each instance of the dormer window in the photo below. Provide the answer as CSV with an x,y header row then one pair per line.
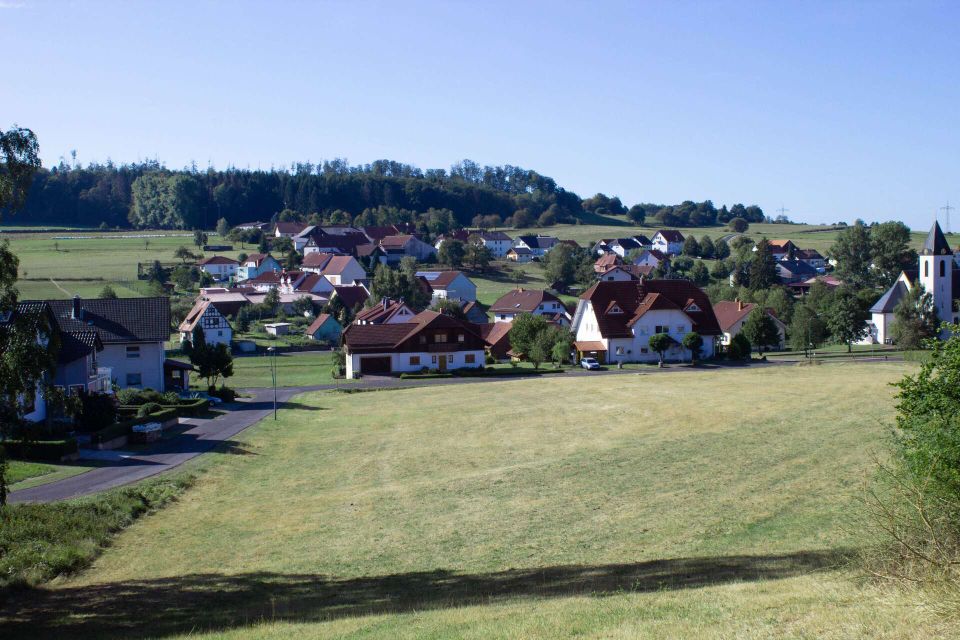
x,y
693,307
614,309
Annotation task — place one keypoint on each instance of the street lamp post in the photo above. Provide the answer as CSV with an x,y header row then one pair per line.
x,y
272,351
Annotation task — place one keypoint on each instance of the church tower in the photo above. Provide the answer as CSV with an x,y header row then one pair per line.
x,y
936,272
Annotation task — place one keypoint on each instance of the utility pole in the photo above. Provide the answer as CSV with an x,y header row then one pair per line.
x,y
783,210
947,209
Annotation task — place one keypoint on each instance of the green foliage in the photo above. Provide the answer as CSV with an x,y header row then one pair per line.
x,y
721,250
537,340
691,247
807,329
660,342
184,254
852,251
165,200
243,320
147,409
401,284
738,225
699,273
637,214
223,228
914,319
303,305
707,248
39,542
19,161
846,316
97,410
763,268
477,256
760,329
450,308
451,253
739,347
107,293
693,342
890,251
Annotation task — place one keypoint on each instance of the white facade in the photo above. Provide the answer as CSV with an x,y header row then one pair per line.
x,y
498,246
675,323
220,271
664,246
547,308
216,328
134,364
416,361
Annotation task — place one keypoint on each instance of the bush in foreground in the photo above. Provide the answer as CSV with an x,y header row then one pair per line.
x,y
38,542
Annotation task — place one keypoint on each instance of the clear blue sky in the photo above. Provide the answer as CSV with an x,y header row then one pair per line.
x,y
835,110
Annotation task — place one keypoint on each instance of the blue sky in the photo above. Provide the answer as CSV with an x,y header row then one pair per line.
x,y
834,110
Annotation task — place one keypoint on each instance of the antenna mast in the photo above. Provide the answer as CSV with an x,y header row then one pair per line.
x,y
947,209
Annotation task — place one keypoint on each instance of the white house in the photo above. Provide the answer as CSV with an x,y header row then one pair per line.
x,y
780,249
338,269
216,328
429,340
538,245
288,229
449,285
497,242
219,267
614,320
731,315
938,276
255,264
812,257
534,301
668,242
521,255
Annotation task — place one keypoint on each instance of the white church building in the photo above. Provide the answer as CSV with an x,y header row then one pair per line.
x,y
936,273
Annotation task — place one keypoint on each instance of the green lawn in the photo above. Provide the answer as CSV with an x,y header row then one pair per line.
x,y
293,370
19,470
673,505
23,475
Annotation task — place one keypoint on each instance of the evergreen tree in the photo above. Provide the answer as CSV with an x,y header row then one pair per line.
x,y
763,268
691,247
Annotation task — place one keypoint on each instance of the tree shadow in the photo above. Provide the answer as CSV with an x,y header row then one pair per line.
x,y
212,602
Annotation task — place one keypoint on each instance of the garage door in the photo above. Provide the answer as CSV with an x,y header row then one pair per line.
x,y
377,365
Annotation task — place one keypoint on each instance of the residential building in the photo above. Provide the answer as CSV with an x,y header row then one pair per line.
x,y
387,311
496,335
255,264
431,340
812,257
377,233
497,242
338,269
220,268
539,245
461,235
668,242
936,273
794,271
288,229
781,249
325,328
614,320
620,246
204,314
520,255
533,301
625,272
731,316
133,331
606,262
652,258
396,248
448,285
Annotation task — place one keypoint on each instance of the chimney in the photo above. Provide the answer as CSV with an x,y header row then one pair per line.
x,y
76,312
383,302
739,304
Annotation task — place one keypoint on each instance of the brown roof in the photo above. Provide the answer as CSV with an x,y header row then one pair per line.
x,y
337,264
496,335
782,245
217,260
637,297
316,259
671,235
316,324
389,336
396,242
257,258
291,227
589,345
442,279
352,295
523,300
730,312
381,312
607,261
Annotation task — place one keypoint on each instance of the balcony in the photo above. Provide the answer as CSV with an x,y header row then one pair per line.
x,y
100,382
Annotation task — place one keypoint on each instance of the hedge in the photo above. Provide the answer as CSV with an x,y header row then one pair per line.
x,y
493,373
424,376
123,428
188,409
46,450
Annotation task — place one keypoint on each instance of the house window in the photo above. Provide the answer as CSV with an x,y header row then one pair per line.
x,y
470,358
681,328
503,316
133,352
433,359
414,360
460,337
440,337
134,379
942,263
220,333
644,350
619,351
423,339
661,329
926,269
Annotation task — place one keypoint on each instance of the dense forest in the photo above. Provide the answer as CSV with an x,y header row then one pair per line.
x,y
148,195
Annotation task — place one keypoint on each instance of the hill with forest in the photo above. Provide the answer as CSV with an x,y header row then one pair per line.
x,y
149,195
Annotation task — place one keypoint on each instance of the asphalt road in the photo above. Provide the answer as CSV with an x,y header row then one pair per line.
x,y
209,434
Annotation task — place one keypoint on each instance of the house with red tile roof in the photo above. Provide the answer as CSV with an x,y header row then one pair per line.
x,y
430,340
534,301
731,315
448,285
387,311
219,267
338,269
614,320
396,248
626,272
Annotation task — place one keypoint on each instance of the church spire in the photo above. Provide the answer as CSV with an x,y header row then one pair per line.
x,y
936,242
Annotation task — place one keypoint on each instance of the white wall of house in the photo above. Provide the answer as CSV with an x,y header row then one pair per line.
x,y
415,361
615,275
737,327
670,248
220,271
216,328
145,360
544,308
498,248
462,288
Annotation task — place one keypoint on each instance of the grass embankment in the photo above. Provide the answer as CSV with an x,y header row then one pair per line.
x,y
293,370
676,505
22,474
41,541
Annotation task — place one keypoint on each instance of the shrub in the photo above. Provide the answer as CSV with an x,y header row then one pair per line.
x,y
171,397
739,348
48,450
148,408
490,359
96,412
140,396
224,393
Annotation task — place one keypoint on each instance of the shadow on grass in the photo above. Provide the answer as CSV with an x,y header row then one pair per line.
x,y
212,602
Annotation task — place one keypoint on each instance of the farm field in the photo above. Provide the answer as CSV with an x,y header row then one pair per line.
x,y
704,511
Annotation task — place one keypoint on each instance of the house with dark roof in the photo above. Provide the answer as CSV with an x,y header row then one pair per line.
x,y
812,257
732,314
614,320
288,229
668,242
520,255
219,267
133,332
377,233
497,242
496,335
429,340
325,328
791,271
534,301
625,272
460,235
396,248
937,274
215,326
781,249
448,285
538,245
620,246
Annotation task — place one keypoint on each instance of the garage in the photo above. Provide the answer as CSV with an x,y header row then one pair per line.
x,y
375,365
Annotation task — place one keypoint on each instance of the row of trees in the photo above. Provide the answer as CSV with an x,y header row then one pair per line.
x,y
148,194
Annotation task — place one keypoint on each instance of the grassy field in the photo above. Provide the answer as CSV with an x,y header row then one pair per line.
x,y
293,370
23,475
666,505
